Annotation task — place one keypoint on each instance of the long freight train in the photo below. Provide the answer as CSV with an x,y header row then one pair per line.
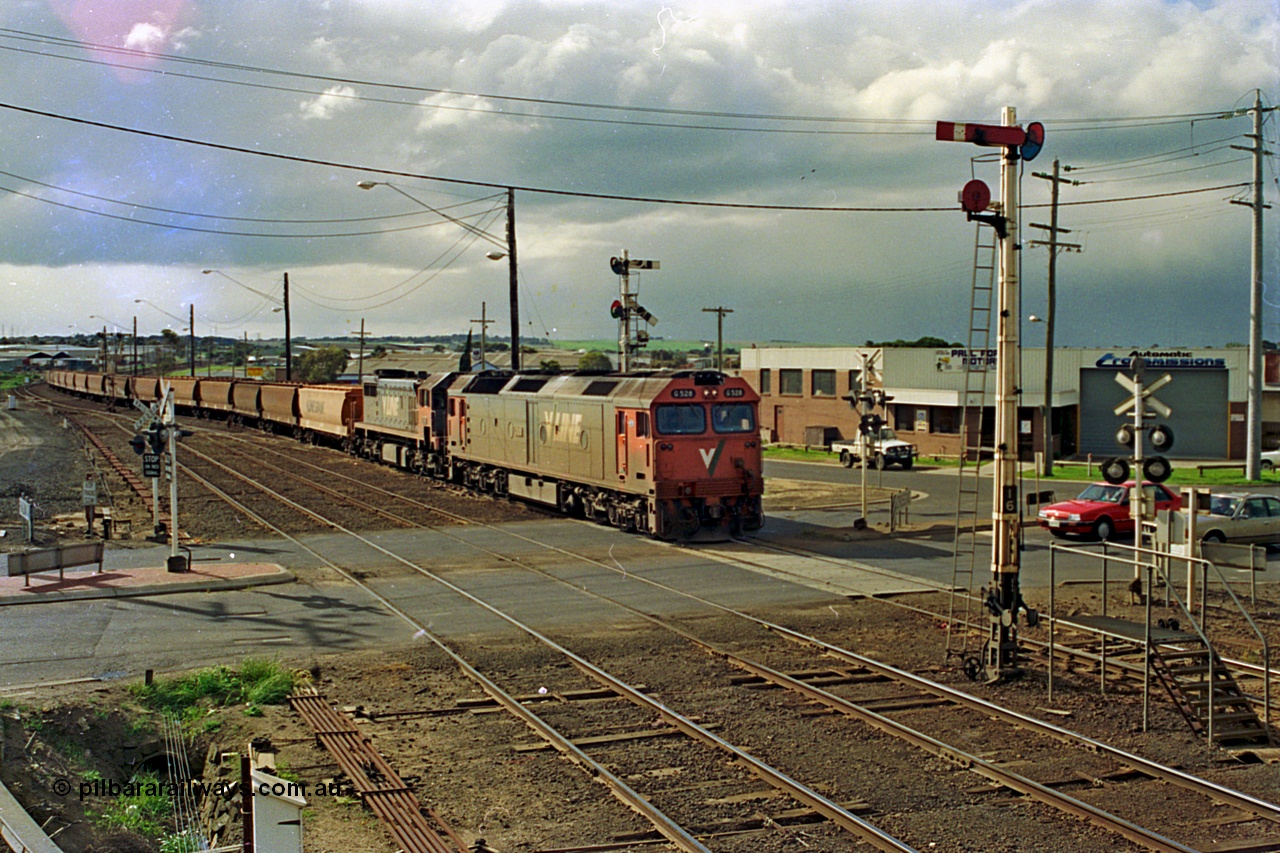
x,y
673,454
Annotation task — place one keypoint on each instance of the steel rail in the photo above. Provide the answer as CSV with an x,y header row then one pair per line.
x,y
1028,787
1243,801
1238,667
1253,805
1185,780
328,490
664,825
376,781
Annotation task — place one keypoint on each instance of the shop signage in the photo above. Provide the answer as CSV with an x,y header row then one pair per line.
x,y
1162,358
963,359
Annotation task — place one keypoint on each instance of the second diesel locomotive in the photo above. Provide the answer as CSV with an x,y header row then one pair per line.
x,y
673,454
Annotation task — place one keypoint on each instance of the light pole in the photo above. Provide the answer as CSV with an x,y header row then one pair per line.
x,y
191,329
505,250
281,305
119,334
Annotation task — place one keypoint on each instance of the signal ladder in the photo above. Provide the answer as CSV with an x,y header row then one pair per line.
x,y
972,407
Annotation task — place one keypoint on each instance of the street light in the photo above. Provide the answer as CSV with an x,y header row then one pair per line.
x,y
281,305
509,252
191,330
135,337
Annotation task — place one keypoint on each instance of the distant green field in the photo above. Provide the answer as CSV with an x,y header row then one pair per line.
x,y
1066,474
608,346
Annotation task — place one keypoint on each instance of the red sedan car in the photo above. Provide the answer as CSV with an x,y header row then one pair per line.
x,y
1102,510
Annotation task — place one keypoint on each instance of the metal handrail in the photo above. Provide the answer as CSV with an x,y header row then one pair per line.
x,y
1200,630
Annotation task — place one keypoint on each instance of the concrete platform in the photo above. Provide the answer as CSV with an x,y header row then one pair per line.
x,y
85,582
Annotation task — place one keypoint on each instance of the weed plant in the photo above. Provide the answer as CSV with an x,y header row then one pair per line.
x,y
257,682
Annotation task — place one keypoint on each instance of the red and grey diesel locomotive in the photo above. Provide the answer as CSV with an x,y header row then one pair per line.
x,y
673,454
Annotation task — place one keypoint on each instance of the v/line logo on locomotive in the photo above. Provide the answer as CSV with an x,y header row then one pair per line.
x,y
672,454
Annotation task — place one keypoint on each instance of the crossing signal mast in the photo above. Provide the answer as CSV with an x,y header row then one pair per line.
x,y
628,312
1000,652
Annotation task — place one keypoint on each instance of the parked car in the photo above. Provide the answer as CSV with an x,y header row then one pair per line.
x,y
1270,459
1240,518
1102,510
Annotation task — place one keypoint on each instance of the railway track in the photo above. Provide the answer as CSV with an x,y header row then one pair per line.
x,y
1079,650
804,677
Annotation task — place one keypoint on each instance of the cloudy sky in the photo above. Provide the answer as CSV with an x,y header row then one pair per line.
x,y
147,140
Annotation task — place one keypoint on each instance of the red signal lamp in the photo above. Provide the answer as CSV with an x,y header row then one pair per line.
x,y
615,310
975,197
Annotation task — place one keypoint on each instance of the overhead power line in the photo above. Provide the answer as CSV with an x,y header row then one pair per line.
x,y
221,231
194,214
889,126
334,164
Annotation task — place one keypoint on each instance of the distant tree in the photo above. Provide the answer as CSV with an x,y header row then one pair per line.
x,y
322,364
666,358
595,360
925,342
437,348
167,352
378,352
550,365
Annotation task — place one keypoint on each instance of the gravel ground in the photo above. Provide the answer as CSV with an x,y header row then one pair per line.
x,y
467,765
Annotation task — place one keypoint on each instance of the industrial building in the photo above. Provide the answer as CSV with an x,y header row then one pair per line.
x,y
803,391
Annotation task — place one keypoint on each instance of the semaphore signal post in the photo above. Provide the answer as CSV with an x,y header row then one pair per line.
x,y
1000,652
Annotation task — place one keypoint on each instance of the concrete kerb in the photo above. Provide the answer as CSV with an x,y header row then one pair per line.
x,y
34,596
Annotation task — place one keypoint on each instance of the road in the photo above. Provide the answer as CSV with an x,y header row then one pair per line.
x,y
323,614
929,553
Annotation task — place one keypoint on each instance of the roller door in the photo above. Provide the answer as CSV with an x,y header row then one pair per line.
x,y
1198,399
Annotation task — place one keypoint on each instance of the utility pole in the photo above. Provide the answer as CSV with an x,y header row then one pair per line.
x,y
1046,409
288,334
360,363
719,312
1253,445
191,338
515,280
484,322
135,345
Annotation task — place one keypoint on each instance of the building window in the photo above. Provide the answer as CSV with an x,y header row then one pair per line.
x,y
854,387
904,418
824,383
790,382
766,381
946,419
